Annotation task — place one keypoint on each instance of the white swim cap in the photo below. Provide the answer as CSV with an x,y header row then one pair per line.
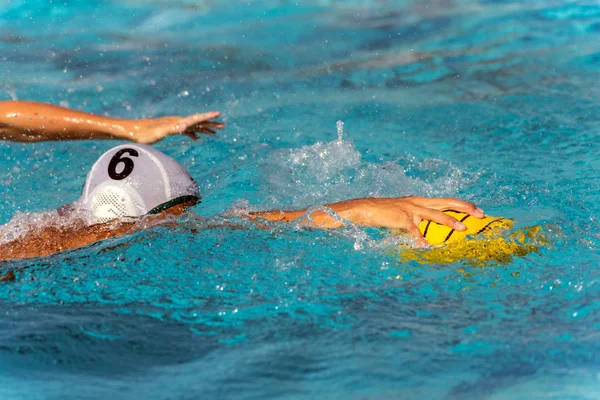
x,y
132,180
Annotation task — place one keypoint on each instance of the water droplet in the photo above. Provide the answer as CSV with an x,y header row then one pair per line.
x,y
340,130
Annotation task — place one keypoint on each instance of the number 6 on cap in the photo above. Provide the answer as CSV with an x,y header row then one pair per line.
x,y
128,164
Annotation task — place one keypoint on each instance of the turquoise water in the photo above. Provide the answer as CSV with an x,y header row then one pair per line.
x,y
493,101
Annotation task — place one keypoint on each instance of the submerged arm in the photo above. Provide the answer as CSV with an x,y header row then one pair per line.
x,y
27,121
53,239
397,213
77,233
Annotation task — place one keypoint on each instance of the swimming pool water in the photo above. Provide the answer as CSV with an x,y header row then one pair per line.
x,y
496,102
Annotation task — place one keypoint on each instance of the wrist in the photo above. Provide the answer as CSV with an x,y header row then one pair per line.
x,y
123,129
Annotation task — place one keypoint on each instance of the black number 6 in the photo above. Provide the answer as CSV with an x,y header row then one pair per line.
x,y
128,164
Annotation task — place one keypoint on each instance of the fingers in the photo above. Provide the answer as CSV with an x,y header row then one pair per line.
x,y
199,129
206,127
400,219
208,124
448,203
197,118
191,135
441,218
414,231
197,121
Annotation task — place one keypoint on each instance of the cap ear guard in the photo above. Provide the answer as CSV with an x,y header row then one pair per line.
x,y
110,201
134,180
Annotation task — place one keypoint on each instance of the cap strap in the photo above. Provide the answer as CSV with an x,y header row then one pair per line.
x,y
174,202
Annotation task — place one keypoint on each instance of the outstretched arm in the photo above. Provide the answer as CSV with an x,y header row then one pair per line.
x,y
397,213
27,121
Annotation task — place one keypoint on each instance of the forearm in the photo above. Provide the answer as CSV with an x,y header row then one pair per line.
x,y
350,210
26,121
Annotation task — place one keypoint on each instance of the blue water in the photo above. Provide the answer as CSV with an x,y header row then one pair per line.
x,y
496,102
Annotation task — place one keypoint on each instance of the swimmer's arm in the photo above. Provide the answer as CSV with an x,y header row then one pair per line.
x,y
396,213
27,121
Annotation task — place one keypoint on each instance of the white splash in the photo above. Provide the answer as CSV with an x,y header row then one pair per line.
x,y
23,223
340,130
330,171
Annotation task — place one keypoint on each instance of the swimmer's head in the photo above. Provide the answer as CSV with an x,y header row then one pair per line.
x,y
134,180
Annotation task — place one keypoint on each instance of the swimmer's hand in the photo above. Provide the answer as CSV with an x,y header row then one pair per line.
x,y
151,130
29,121
404,213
